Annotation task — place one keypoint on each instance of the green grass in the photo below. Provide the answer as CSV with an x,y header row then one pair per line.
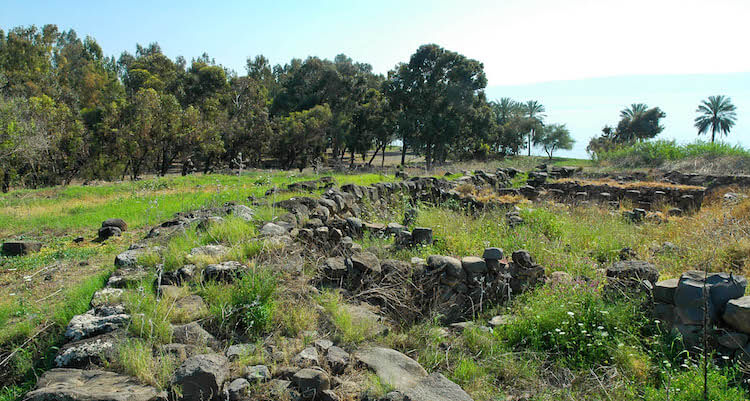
x,y
32,358
136,357
150,316
575,324
349,329
657,152
140,203
687,385
246,306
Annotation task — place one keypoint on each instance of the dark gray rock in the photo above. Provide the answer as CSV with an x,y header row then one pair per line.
x,y
91,385
664,290
474,265
91,324
239,350
392,367
271,230
395,228
119,223
307,357
337,359
130,257
207,222
436,387
19,248
493,253
311,382
180,352
126,277
365,262
451,266
238,389
223,272
241,211
201,377
193,334
91,351
737,314
633,271
106,296
258,373
732,340
105,233
421,235
720,288
522,258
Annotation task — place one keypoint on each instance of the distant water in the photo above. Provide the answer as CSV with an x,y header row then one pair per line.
x,y
588,105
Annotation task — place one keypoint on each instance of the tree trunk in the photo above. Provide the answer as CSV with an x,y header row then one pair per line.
x,y
531,133
428,157
403,152
377,148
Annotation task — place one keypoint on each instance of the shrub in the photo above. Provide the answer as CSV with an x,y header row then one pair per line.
x,y
656,153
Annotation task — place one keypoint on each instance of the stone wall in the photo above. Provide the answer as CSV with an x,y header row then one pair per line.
x,y
684,304
644,197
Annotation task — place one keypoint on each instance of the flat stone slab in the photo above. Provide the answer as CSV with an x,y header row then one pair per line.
x,y
91,385
436,387
392,367
90,324
363,315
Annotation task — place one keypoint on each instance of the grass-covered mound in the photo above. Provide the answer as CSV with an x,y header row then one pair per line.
x,y
698,156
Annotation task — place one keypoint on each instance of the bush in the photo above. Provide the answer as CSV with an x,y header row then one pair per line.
x,y
656,153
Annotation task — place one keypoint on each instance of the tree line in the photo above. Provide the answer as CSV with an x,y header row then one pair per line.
x,y
639,122
68,112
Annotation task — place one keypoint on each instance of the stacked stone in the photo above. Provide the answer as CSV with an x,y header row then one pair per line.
x,y
646,198
685,303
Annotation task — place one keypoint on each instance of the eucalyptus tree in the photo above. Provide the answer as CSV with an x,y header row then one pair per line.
x,y
435,92
717,114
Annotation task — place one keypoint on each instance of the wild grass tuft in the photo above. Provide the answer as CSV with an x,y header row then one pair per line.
x,y
246,305
136,357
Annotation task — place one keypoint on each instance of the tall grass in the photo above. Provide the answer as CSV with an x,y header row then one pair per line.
x,y
655,153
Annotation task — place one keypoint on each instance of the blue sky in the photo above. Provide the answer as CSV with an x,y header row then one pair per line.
x,y
550,50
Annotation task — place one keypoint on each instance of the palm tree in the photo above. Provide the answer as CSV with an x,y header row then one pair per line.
x,y
535,113
634,110
716,113
504,109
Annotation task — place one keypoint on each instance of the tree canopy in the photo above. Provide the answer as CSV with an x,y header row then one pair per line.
x,y
67,111
715,114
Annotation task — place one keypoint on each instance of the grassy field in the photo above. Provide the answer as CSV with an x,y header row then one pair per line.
x,y
40,292
561,342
